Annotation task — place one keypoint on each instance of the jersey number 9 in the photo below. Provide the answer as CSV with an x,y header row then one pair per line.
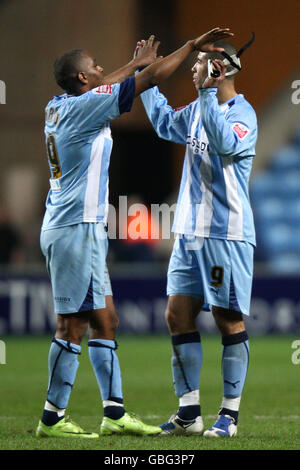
x,y
53,156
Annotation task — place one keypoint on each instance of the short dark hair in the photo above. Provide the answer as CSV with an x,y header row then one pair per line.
x,y
66,68
229,48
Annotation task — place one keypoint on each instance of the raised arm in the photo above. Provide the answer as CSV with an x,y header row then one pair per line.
x,y
143,56
233,135
162,69
169,124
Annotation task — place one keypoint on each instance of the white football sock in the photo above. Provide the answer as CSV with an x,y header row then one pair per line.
x,y
49,407
231,403
190,398
111,403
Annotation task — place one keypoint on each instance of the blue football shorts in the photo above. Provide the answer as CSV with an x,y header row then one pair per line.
x,y
219,272
76,262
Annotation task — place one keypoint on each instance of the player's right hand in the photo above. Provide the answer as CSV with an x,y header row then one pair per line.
x,y
214,82
146,52
205,43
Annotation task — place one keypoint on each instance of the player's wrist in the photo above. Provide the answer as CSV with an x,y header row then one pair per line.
x,y
207,86
207,90
191,45
135,64
140,64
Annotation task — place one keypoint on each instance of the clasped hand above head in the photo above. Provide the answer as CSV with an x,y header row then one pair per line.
x,y
146,50
160,68
205,43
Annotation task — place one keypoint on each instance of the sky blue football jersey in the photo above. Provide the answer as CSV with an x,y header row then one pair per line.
x,y
79,144
220,145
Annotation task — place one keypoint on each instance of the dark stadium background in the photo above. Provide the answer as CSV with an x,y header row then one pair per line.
x,y
144,168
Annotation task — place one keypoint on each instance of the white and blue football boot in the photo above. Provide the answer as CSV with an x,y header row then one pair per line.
x,y
179,426
224,427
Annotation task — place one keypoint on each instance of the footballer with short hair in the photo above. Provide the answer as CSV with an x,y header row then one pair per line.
x,y
73,235
212,258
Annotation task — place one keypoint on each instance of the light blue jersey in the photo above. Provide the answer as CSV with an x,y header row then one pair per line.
x,y
220,144
79,145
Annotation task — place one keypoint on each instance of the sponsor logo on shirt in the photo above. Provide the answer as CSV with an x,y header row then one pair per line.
x,y
197,145
62,299
240,130
103,90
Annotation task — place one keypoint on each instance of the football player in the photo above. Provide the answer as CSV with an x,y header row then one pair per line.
x,y
73,236
212,258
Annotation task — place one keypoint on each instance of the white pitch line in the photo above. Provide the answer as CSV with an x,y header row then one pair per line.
x,y
294,417
276,417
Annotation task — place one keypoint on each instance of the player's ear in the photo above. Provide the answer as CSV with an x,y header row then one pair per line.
x,y
82,77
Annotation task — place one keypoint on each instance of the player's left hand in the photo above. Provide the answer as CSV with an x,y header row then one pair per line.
x,y
205,43
146,52
214,82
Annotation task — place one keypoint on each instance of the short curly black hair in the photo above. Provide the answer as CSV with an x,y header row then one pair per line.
x,y
66,68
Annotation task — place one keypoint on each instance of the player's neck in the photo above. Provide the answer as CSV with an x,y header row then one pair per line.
x,y
226,91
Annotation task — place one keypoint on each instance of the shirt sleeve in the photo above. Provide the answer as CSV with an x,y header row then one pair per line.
x,y
104,103
233,134
169,123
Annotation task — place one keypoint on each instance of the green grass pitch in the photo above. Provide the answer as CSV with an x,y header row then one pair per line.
x,y
269,413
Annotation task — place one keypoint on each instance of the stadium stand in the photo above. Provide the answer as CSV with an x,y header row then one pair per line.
x,y
275,196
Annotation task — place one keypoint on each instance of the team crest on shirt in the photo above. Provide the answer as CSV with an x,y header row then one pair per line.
x,y
103,90
240,129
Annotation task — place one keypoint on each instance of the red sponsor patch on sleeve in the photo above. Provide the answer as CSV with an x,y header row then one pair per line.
x,y
103,90
240,129
180,107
